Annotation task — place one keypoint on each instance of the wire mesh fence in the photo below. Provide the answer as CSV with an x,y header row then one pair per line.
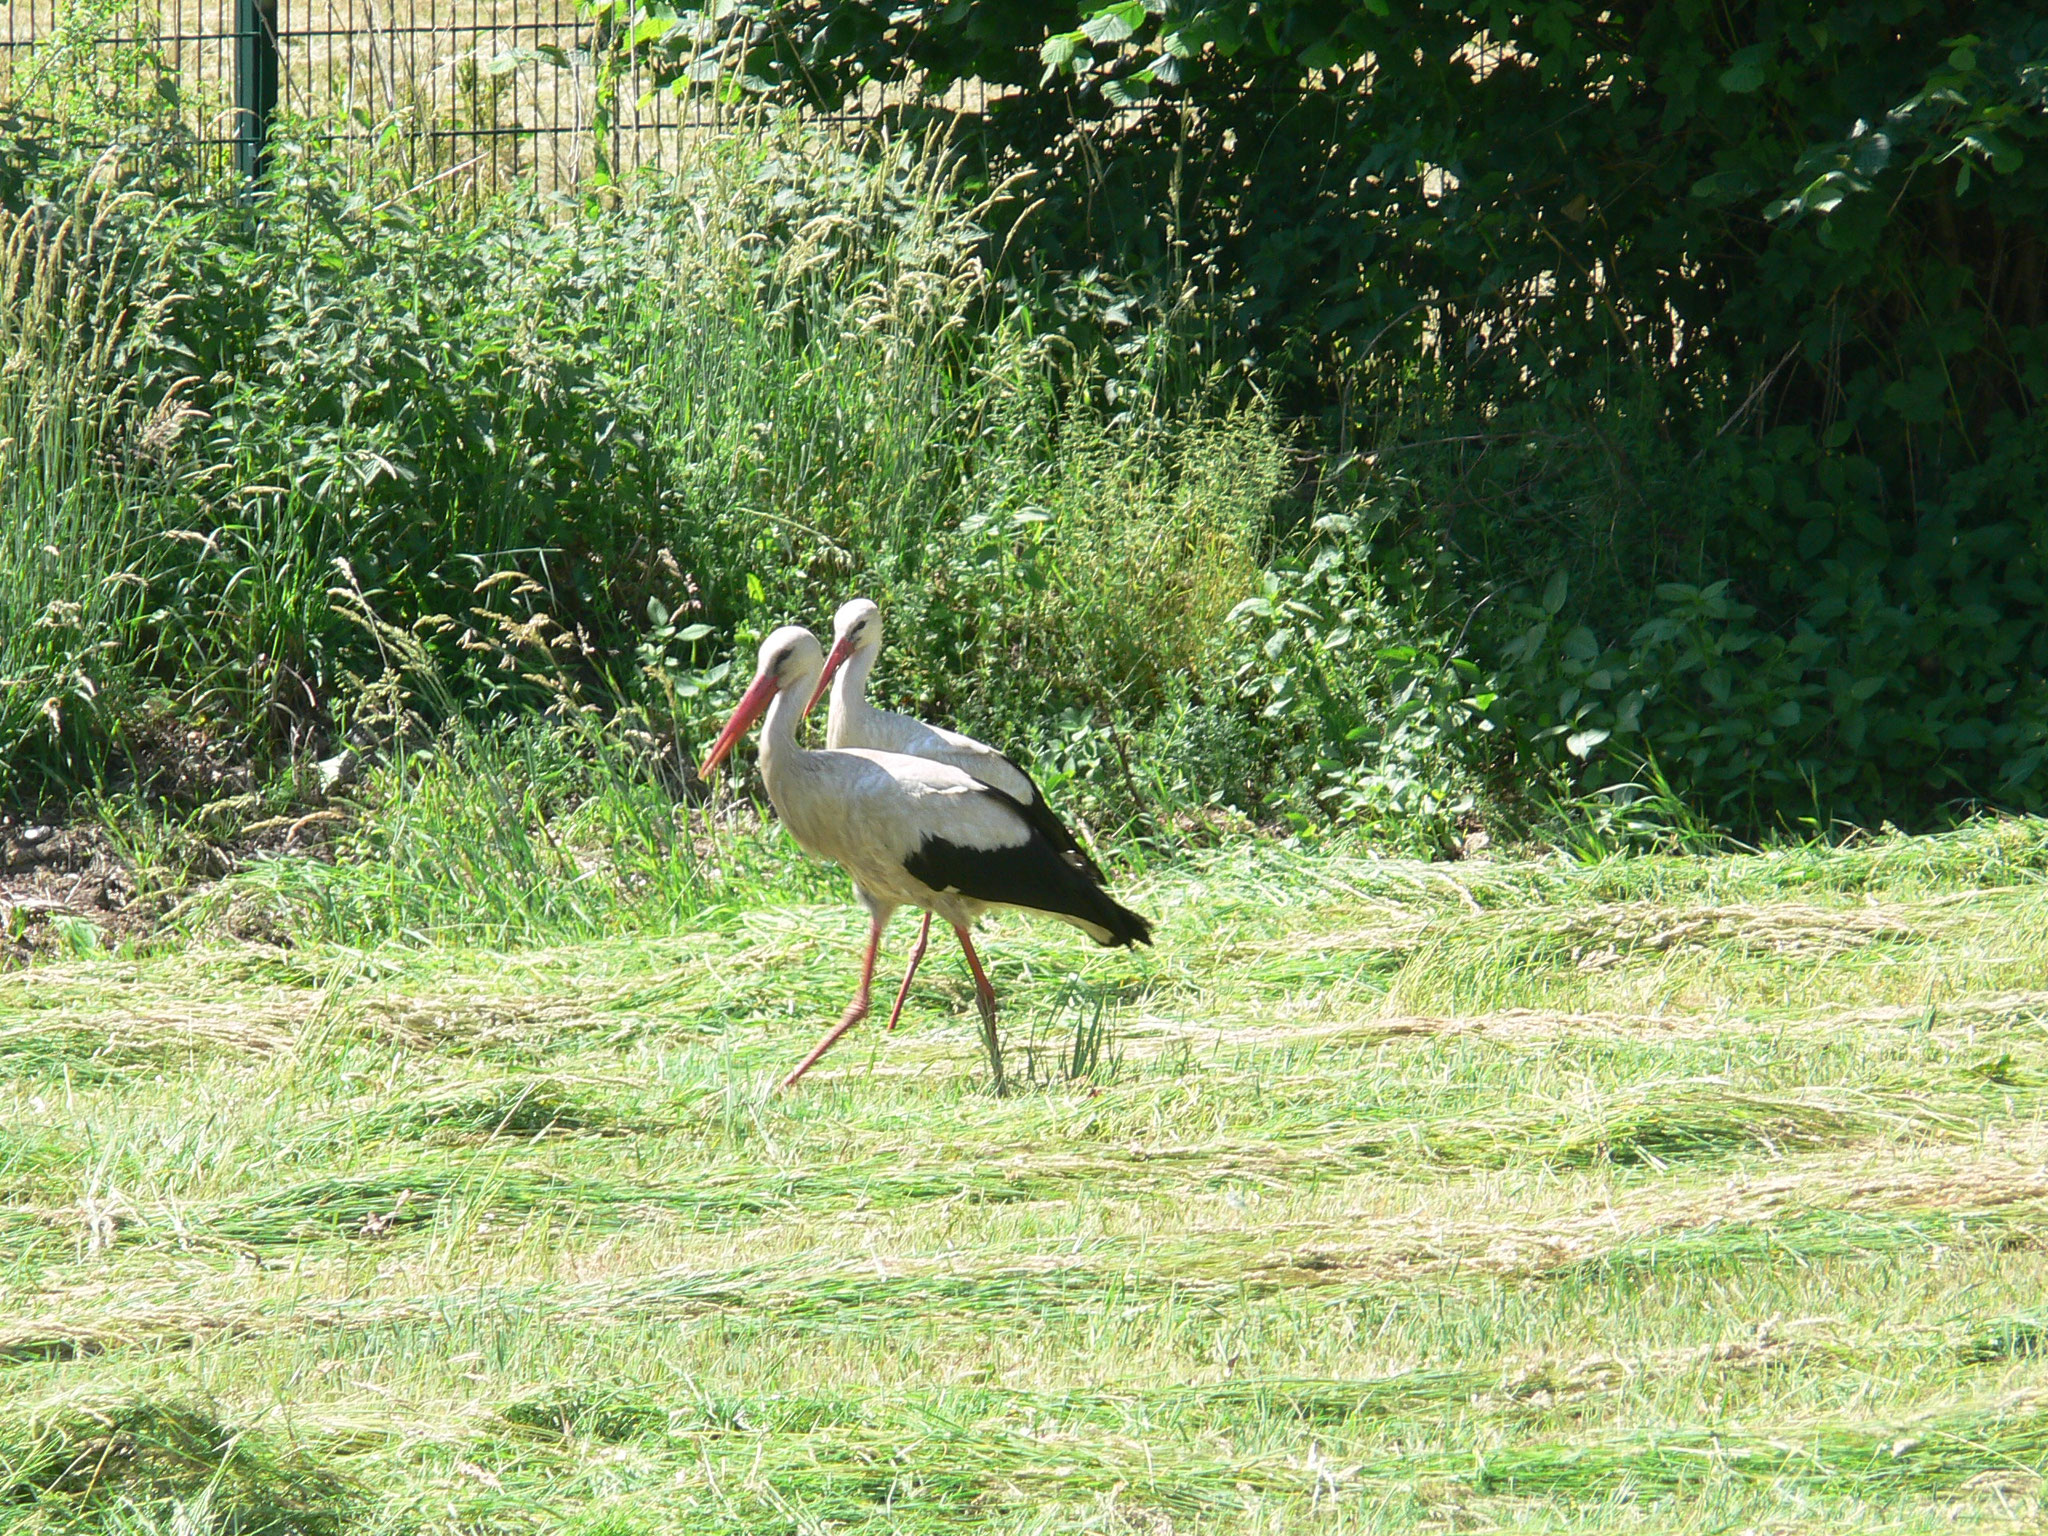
x,y
477,93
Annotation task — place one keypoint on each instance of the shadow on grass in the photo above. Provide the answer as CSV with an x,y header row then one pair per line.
x,y
79,1461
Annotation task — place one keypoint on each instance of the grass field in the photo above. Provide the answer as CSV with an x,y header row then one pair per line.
x,y
1655,1195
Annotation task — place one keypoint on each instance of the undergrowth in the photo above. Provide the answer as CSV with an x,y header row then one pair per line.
x,y
583,457
653,433
643,432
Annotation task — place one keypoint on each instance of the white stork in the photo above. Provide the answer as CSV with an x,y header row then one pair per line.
x,y
854,722
910,831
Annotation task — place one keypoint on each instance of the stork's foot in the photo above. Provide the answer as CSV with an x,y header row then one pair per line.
x,y
847,1020
985,995
992,1042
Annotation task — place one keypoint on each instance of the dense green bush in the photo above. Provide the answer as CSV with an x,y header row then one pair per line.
x,y
1746,615
1695,448
595,454
1649,302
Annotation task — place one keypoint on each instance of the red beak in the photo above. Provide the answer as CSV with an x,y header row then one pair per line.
x,y
841,649
753,704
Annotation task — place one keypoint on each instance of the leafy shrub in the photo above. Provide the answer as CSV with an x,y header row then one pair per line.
x,y
1381,726
1735,318
1779,647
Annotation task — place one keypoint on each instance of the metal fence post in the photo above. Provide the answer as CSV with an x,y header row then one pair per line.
x,y
255,81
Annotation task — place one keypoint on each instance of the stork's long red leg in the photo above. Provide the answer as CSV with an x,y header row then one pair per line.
x,y
986,996
857,1011
924,934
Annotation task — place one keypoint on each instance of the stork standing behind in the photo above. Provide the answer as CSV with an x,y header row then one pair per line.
x,y
910,831
854,722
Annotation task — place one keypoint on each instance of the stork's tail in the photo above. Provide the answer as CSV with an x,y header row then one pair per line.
x,y
1107,915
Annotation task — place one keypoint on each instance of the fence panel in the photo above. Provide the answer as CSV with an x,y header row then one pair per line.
x,y
474,92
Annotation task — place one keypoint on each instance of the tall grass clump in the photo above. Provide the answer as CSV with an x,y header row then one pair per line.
x,y
805,328
80,455
504,829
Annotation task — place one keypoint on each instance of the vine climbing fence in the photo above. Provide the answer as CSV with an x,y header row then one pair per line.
x,y
477,93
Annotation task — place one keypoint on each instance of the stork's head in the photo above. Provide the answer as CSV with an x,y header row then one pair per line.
x,y
790,658
857,626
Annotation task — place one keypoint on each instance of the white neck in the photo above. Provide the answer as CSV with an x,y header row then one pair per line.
x,y
850,690
778,733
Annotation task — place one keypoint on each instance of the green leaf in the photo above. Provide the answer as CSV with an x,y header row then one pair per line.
x,y
1870,152
1114,23
1745,78
651,29
1213,26
1059,51
693,632
1826,193
1554,592
2004,158
1579,743
1723,186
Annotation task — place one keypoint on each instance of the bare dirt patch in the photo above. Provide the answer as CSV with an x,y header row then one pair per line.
x,y
50,872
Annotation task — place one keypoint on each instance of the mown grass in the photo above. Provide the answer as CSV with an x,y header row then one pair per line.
x,y
1658,1194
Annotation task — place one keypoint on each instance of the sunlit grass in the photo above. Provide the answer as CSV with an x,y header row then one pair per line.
x,y
1652,1195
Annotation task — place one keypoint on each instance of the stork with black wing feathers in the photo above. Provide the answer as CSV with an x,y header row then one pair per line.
x,y
854,722
911,831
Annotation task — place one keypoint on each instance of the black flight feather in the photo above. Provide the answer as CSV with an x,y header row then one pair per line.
x,y
1041,816
1033,874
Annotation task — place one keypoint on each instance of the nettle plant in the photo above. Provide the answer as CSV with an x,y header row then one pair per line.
x,y
1389,727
